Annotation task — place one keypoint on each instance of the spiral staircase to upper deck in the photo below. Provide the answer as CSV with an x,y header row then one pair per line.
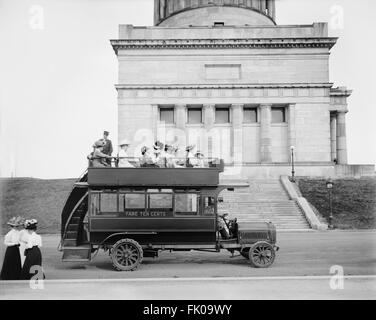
x,y
73,238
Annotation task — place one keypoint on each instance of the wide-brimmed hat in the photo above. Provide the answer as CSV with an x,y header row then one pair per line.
x,y
158,145
13,222
124,142
176,147
99,143
199,153
190,147
31,224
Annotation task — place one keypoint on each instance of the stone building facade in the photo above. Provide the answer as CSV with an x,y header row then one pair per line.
x,y
223,75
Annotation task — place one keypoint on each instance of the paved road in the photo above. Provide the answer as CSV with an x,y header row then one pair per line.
x,y
254,288
301,254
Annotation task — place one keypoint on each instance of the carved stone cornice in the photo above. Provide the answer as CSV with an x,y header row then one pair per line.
x,y
225,86
276,43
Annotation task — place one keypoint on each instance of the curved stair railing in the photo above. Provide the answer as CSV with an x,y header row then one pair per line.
x,y
69,203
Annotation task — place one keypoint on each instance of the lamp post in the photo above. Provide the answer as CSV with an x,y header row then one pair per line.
x,y
292,148
329,187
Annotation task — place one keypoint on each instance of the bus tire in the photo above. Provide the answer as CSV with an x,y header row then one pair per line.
x,y
126,255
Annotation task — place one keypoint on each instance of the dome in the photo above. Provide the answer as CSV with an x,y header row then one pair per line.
x,y
185,13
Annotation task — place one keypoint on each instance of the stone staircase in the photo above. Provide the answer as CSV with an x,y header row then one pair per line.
x,y
263,200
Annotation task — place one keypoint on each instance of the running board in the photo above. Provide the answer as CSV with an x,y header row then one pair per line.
x,y
76,254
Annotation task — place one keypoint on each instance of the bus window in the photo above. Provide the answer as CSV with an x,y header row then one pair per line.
x,y
94,203
131,201
108,203
186,204
209,206
160,201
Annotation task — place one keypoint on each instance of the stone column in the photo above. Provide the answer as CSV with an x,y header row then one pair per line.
x,y
341,138
209,118
292,127
333,136
156,11
162,9
263,6
237,133
181,116
265,133
256,4
155,117
270,4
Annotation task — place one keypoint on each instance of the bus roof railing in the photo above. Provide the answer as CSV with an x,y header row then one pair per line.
x,y
207,176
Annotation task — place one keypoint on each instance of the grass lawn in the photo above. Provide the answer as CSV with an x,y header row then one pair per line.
x,y
354,200
34,198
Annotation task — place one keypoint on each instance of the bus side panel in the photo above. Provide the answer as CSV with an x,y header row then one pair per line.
x,y
180,230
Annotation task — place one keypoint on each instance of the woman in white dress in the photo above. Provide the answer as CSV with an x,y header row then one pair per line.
x,y
122,155
32,252
189,155
171,160
11,269
198,161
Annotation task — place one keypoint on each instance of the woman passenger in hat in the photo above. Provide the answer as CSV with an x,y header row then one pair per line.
x,y
189,155
32,252
99,158
159,154
146,159
122,155
198,161
170,155
11,269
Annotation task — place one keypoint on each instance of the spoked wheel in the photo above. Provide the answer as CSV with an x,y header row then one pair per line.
x,y
126,255
261,254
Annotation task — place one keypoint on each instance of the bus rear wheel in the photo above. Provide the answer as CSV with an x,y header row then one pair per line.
x,y
126,255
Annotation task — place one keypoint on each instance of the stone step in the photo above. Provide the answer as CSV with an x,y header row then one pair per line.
x,y
263,200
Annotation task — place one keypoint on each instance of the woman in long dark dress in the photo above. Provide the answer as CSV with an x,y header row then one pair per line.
x,y
11,269
32,266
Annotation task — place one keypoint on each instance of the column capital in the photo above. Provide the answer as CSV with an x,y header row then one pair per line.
x,y
237,105
265,105
292,104
180,105
208,105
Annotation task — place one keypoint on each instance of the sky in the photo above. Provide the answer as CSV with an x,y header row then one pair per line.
x,y
58,71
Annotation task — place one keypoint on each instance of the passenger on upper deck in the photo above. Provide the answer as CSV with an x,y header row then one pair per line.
x,y
147,160
189,155
159,154
99,159
171,161
107,147
198,161
122,155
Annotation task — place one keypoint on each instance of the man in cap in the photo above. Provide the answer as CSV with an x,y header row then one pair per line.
x,y
107,148
122,155
100,159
